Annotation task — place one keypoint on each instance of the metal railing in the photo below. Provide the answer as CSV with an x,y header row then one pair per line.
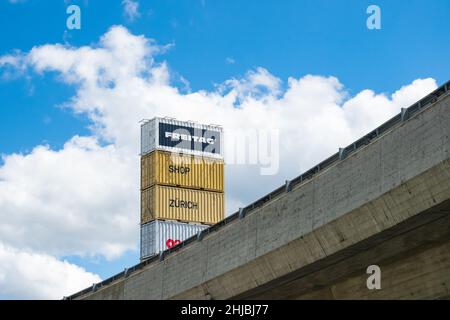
x,y
343,153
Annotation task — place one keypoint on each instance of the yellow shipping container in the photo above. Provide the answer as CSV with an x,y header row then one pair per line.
x,y
185,171
188,205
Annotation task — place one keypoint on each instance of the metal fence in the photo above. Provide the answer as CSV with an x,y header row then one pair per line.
x,y
405,114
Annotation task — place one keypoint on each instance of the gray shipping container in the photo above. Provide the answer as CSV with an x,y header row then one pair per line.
x,y
159,235
172,135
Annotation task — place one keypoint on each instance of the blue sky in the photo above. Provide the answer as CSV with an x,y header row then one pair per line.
x,y
213,41
292,39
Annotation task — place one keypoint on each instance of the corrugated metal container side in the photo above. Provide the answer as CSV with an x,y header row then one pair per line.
x,y
157,236
148,136
170,203
182,136
187,171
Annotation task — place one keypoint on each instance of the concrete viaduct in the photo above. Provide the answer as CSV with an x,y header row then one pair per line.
x,y
384,200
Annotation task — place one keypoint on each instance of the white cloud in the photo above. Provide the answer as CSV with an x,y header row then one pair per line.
x,y
256,84
12,60
30,275
83,199
12,65
131,9
368,109
230,60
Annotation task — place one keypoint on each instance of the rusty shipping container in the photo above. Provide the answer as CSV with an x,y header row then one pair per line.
x,y
185,171
157,236
188,205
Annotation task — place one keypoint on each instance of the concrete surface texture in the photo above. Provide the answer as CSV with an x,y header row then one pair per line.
x,y
317,240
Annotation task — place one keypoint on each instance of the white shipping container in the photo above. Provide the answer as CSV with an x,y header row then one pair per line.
x,y
159,235
181,137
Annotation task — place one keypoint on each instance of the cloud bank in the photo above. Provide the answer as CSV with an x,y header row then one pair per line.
x,y
131,9
30,275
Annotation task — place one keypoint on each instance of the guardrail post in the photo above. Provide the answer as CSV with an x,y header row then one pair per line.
x,y
200,235
241,213
94,287
288,185
161,256
125,272
403,114
341,154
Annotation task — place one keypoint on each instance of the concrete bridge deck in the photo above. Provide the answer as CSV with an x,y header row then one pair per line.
x,y
385,200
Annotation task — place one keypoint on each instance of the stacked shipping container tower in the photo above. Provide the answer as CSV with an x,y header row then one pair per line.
x,y
182,181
